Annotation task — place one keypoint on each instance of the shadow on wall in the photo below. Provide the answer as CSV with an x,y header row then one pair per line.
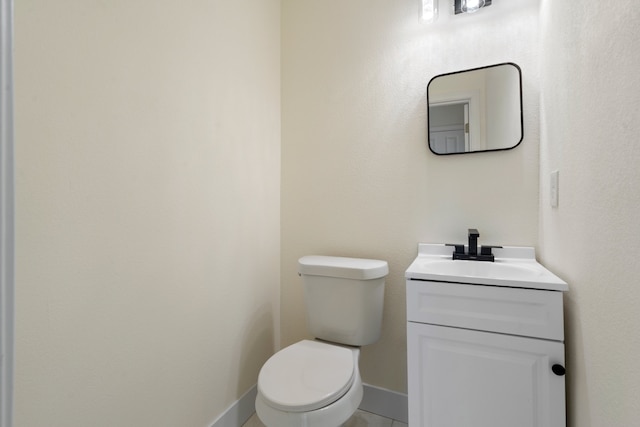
x,y
256,347
575,362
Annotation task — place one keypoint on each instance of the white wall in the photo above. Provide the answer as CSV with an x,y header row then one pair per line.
x,y
589,131
148,162
148,170
358,178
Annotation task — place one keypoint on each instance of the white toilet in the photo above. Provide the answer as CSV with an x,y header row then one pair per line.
x,y
317,383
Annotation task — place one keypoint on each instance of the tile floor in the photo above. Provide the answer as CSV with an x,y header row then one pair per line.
x,y
359,419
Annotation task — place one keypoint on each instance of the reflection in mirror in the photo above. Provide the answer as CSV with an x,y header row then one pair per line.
x,y
475,110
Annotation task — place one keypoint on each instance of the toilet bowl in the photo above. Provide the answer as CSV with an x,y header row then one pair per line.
x,y
311,384
316,383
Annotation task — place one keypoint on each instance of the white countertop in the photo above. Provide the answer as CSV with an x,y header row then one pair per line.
x,y
514,266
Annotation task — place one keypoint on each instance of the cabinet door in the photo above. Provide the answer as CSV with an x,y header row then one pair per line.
x,y
463,378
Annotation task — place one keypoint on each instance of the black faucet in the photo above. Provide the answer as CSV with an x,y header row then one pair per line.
x,y
473,241
472,254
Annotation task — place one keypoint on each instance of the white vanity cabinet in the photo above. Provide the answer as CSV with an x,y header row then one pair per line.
x,y
484,355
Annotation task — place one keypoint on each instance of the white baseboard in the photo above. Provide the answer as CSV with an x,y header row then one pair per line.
x,y
386,403
380,401
240,411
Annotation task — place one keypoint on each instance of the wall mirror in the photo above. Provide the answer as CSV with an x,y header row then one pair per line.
x,y
475,110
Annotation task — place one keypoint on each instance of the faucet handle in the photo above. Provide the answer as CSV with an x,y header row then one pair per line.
x,y
486,249
458,248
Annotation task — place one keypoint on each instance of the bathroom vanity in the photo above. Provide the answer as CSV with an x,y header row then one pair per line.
x,y
485,341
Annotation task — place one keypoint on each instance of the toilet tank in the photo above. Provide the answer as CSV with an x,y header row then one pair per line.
x,y
344,298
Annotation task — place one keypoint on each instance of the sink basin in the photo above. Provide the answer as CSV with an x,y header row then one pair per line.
x,y
513,267
499,269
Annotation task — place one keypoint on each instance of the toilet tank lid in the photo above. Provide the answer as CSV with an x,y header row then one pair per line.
x,y
348,268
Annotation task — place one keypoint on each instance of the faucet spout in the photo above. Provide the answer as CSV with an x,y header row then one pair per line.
x,y
473,241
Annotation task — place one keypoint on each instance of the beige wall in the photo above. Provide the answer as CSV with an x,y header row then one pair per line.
x,y
148,180
358,178
148,156
590,126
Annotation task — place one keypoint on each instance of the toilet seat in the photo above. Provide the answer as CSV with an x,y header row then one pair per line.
x,y
306,376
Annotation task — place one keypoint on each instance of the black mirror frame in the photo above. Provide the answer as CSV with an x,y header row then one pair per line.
x,y
475,69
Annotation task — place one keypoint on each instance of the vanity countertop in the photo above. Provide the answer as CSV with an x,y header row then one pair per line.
x,y
514,266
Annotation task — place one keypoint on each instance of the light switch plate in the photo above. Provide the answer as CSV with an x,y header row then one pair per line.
x,y
554,188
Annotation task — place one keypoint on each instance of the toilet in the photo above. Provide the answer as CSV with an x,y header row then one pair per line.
x,y
316,383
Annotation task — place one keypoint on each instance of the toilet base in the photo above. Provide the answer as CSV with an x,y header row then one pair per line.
x,y
332,415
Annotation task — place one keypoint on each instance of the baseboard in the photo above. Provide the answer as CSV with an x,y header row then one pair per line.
x,y
380,401
239,412
386,403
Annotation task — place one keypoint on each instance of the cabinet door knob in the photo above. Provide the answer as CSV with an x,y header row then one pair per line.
x,y
558,370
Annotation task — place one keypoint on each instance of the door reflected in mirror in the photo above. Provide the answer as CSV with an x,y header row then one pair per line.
x,y
475,110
